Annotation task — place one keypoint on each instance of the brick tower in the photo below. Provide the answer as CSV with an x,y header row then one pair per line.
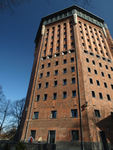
x,y
70,95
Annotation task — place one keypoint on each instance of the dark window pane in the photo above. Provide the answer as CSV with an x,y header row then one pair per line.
x,y
33,133
36,114
64,70
45,97
97,113
75,135
38,97
46,85
93,94
64,95
72,69
54,96
53,114
100,95
55,83
108,97
73,93
74,113
73,81
64,82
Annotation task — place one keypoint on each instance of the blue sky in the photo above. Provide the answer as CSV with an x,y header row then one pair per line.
x,y
17,33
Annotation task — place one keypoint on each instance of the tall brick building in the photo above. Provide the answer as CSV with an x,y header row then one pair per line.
x,y
70,95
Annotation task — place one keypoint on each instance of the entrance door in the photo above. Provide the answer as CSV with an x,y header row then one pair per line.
x,y
51,138
104,141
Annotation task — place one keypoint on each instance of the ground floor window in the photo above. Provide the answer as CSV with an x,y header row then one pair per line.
x,y
33,133
75,135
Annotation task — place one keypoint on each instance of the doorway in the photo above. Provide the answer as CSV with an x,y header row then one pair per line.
x,y
104,141
51,136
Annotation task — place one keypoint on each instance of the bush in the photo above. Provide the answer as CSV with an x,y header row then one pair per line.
x,y
20,146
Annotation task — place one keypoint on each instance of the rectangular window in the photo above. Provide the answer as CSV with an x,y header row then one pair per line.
x,y
74,93
41,75
73,80
55,83
91,81
56,63
108,97
102,74
93,94
33,133
42,66
111,68
109,76
64,81
75,135
53,114
38,97
54,96
49,64
39,85
89,70
112,86
95,71
105,84
72,69
74,113
56,72
100,95
45,97
98,83
97,113
93,62
36,114
65,61
64,94
48,74
87,60
106,66
72,59
46,85
64,70
100,64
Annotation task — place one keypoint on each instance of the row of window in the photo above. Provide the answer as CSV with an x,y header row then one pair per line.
x,y
102,73
55,95
92,54
57,63
56,72
101,95
56,83
100,64
98,83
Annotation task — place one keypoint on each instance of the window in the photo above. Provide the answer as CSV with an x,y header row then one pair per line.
x,y
109,76
56,72
65,61
97,113
55,83
53,114
102,74
72,69
74,113
98,83
93,62
46,85
64,94
75,135
95,71
64,70
87,60
65,46
38,97
93,94
39,85
36,114
105,84
54,96
73,93
89,70
106,66
41,75
64,81
72,59
33,133
100,95
100,64
108,97
56,63
73,80
111,68
48,74
49,64
91,81
45,97
42,66
112,86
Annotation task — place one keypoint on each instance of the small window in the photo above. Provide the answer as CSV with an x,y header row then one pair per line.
x,y
45,97
64,94
108,97
65,46
38,97
112,86
109,76
64,70
55,83
75,135
100,64
49,64
65,61
89,70
56,72
98,83
46,85
105,84
93,94
87,60
91,81
72,59
97,113
93,62
102,73
33,133
39,85
111,68
36,114
95,71
100,95
73,80
72,69
48,74
54,96
64,81
56,63
73,93
53,114
106,66
74,113
41,75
